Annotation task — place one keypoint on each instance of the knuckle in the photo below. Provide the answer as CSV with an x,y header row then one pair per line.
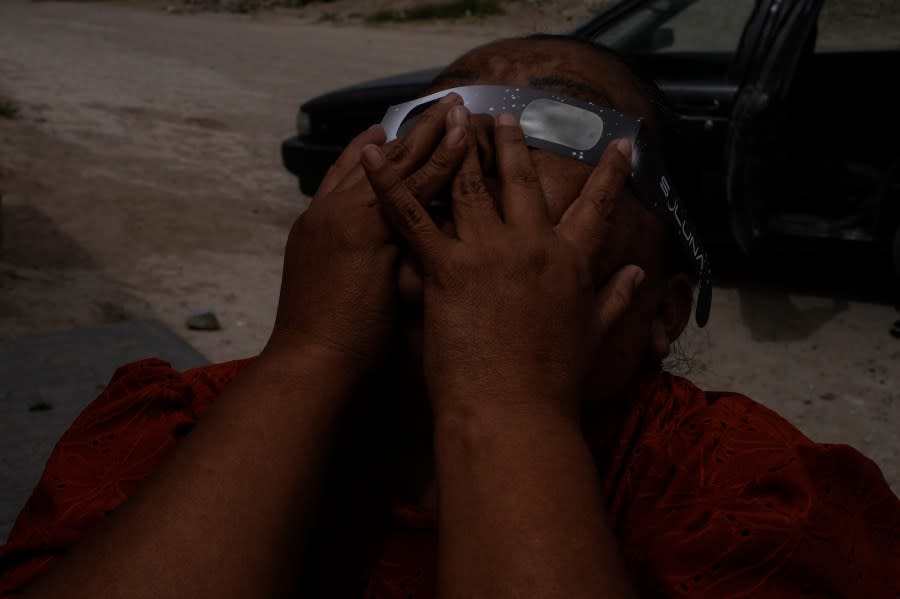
x,y
428,117
391,189
511,135
416,183
601,191
467,203
397,150
602,200
340,232
620,300
411,215
602,209
621,169
440,162
523,177
471,184
349,237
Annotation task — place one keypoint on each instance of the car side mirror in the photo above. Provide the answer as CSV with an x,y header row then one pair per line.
x,y
662,38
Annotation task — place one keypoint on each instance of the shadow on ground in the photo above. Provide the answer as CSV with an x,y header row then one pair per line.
x,y
787,296
50,283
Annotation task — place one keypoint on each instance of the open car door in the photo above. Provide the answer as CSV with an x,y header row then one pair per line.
x,y
693,49
787,32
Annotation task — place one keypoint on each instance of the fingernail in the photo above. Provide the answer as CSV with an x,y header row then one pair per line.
x,y
506,119
459,115
450,98
456,135
372,157
624,148
638,278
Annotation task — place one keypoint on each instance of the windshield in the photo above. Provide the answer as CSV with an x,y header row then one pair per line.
x,y
680,27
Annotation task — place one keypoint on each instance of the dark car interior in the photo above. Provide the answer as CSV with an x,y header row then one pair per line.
x,y
821,162
823,166
841,119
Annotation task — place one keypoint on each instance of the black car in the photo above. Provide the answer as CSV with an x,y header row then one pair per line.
x,y
789,107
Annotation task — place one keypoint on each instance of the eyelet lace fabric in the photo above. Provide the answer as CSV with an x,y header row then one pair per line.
x,y
710,494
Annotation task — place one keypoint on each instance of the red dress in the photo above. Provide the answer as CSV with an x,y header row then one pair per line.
x,y
710,494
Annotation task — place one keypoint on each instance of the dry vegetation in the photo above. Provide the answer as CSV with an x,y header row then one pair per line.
x,y
545,15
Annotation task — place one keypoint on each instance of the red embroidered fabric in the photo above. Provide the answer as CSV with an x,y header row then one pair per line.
x,y
710,494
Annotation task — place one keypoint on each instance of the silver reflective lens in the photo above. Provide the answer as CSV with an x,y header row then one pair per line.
x,y
562,124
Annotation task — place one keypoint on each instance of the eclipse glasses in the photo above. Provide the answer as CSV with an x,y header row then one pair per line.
x,y
581,130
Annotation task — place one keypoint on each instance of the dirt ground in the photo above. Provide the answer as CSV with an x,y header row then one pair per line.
x,y
517,16
142,178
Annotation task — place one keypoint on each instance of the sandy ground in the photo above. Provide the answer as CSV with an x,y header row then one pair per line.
x,y
516,16
142,178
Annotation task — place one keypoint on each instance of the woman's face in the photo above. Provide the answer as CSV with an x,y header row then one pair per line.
x,y
637,238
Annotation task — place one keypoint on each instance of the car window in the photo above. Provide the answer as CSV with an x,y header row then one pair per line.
x,y
858,26
680,27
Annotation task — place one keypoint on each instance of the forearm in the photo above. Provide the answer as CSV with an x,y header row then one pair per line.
x,y
227,513
521,510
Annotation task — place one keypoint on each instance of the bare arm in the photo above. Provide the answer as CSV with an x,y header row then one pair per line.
x,y
227,514
521,510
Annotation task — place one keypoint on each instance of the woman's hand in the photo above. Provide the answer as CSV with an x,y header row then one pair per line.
x,y
511,304
337,291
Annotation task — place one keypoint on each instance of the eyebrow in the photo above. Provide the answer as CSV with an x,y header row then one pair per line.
x,y
456,75
569,85
554,83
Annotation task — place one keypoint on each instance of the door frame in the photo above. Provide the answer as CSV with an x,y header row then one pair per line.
x,y
769,59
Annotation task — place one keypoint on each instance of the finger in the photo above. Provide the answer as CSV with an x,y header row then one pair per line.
x,y
587,222
438,172
616,296
473,206
483,125
402,210
521,196
413,149
349,159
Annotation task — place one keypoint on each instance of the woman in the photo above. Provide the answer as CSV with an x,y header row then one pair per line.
x,y
503,365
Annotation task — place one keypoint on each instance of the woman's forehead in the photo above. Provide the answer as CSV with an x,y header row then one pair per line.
x,y
552,65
